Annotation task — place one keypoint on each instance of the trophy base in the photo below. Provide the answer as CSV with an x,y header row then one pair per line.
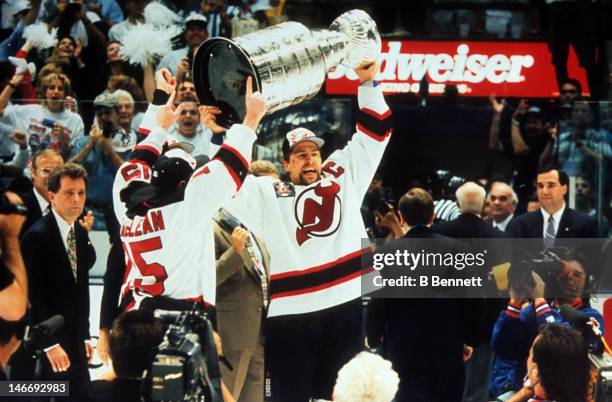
x,y
220,68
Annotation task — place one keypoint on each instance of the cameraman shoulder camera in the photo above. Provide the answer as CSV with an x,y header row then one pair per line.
x,y
133,340
13,279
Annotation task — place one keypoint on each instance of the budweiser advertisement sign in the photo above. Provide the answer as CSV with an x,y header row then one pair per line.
x,y
508,69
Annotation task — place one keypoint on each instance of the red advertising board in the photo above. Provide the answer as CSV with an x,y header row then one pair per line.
x,y
508,69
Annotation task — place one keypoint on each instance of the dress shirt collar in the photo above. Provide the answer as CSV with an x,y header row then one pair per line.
x,y
556,216
64,227
502,225
42,203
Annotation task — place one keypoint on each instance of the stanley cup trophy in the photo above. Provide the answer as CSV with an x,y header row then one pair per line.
x,y
288,62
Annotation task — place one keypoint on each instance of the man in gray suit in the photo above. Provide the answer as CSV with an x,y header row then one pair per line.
x,y
242,299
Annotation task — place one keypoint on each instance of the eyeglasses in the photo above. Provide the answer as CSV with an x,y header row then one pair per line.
x,y
502,198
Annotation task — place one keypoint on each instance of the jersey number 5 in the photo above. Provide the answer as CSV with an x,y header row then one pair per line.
x,y
157,271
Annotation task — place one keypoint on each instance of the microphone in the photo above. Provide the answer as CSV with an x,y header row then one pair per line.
x,y
588,327
35,336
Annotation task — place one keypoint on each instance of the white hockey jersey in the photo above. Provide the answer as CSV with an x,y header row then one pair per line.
x,y
315,234
170,250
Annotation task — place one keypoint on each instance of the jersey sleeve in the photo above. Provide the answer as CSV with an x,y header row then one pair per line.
x,y
247,204
364,151
136,172
213,184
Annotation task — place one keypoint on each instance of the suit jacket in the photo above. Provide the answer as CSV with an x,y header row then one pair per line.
x,y
34,212
424,332
573,224
52,288
239,303
470,227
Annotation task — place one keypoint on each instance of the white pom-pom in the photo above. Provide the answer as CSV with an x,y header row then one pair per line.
x,y
143,43
39,36
158,15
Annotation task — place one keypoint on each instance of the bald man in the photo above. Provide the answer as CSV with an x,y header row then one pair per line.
x,y
502,204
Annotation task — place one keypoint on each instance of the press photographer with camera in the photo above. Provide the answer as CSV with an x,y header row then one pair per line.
x,y
538,289
13,279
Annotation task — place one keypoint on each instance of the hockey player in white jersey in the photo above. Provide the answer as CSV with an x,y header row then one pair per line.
x,y
313,229
165,204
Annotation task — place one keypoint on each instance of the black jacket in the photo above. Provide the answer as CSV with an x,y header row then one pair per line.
x,y
423,332
573,224
53,290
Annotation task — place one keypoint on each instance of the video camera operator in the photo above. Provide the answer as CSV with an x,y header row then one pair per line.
x,y
13,278
538,289
133,338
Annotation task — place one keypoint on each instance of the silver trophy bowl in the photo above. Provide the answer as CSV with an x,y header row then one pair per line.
x,y
287,61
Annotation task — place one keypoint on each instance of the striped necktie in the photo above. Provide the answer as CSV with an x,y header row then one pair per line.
x,y
72,255
549,237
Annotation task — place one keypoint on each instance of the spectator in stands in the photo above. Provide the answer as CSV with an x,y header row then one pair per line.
x,y
48,124
502,204
101,153
366,378
133,338
37,199
584,146
184,89
179,61
527,310
116,65
135,15
188,129
23,13
108,11
125,110
72,19
532,144
129,84
219,16
264,168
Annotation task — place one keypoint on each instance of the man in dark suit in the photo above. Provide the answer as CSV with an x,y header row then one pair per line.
x,y
554,219
37,200
242,298
58,256
425,339
470,227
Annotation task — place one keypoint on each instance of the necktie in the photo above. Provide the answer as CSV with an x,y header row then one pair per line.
x,y
72,256
47,210
257,258
549,237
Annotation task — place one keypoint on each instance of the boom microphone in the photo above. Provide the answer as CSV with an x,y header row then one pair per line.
x,y
35,336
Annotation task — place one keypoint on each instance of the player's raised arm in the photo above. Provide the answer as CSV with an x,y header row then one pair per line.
x,y
363,153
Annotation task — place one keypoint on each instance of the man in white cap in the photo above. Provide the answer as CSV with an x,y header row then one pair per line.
x,y
178,62
313,229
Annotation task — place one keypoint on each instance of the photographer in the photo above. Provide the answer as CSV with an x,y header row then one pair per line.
x,y
133,339
13,281
564,280
179,61
101,153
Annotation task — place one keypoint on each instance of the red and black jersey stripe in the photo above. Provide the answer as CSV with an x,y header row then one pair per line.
x,y
321,277
375,125
235,162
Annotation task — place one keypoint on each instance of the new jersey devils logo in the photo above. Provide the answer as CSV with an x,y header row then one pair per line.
x,y
318,212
